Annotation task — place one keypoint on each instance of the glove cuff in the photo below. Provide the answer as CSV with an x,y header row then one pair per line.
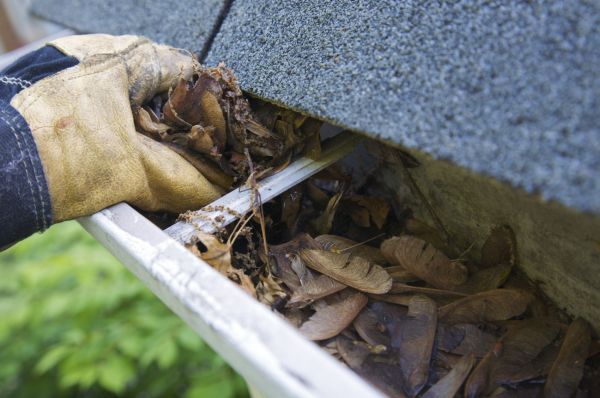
x,y
25,205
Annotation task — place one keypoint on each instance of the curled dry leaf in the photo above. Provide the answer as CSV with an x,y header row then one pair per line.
x,y
323,223
209,248
350,270
268,290
425,261
499,248
414,337
567,370
334,243
449,385
333,317
147,125
493,305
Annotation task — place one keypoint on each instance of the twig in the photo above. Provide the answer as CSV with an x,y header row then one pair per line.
x,y
361,243
258,207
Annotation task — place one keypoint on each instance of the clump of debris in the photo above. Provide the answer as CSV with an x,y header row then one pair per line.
x,y
208,121
382,291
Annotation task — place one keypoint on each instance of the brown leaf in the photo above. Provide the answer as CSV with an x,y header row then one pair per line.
x,y
148,126
486,279
493,305
197,103
377,208
425,261
268,290
209,248
567,370
323,223
414,337
314,289
448,386
329,320
368,327
336,244
201,139
499,248
359,215
351,270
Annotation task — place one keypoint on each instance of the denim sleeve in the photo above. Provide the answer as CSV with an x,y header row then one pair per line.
x,y
25,203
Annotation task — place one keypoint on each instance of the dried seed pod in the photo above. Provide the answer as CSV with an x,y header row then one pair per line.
x,y
493,305
350,270
414,337
425,261
334,316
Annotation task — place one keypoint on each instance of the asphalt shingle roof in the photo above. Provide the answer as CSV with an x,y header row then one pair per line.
x,y
509,89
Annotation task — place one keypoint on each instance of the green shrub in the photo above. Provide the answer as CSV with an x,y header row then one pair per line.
x,y
75,322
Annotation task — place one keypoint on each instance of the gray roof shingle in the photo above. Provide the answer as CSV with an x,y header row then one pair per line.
x,y
509,89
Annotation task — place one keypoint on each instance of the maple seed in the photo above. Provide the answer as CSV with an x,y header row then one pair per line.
x,y
425,261
351,270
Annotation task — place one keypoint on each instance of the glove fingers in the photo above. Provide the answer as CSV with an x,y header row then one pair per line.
x,y
154,68
172,183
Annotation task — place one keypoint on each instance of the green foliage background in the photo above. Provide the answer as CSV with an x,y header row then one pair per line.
x,y
75,322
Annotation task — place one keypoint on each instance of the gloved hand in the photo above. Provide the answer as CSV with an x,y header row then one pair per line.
x,y
82,123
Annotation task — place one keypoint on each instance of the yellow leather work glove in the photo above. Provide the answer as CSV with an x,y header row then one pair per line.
x,y
82,123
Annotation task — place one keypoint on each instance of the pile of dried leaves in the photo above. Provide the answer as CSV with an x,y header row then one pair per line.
x,y
383,296
207,120
385,293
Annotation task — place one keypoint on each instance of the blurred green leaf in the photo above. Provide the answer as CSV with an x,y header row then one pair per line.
x,y
51,358
115,373
75,322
